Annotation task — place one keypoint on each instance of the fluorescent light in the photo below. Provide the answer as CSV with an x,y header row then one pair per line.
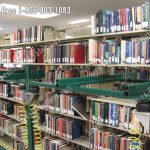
x,y
20,10
1,28
79,21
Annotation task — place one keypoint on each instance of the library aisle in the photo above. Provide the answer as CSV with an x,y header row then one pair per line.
x,y
75,75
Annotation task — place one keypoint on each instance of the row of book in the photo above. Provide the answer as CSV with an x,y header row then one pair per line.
x,y
18,92
107,52
5,89
20,55
33,34
6,124
56,74
69,53
9,126
65,127
66,53
121,20
17,132
112,114
62,103
6,107
51,143
115,140
18,145
135,51
130,51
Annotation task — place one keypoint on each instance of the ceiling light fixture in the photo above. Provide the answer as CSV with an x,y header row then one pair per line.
x,y
21,10
79,21
1,28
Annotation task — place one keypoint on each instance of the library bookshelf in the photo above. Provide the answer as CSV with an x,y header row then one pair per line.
x,y
27,80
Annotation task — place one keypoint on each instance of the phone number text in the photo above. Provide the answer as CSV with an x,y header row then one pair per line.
x,y
44,10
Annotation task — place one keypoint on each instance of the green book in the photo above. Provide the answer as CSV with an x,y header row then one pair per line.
x,y
93,110
9,108
96,111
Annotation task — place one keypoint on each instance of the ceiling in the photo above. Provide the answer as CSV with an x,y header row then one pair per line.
x,y
80,9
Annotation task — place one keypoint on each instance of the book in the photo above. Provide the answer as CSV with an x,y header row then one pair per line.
x,y
55,123
112,139
6,107
32,34
121,19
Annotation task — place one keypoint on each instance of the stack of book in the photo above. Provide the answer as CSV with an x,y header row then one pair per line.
x,y
5,89
18,145
121,20
17,132
107,52
6,124
18,92
112,139
61,102
64,127
33,34
135,51
6,107
19,55
69,53
51,143
16,111
66,53
112,114
54,74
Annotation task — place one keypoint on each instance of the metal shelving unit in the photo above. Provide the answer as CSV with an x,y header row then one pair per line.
x,y
26,76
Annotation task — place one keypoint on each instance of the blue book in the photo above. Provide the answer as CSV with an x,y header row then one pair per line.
x,y
133,53
113,117
139,52
128,52
147,51
76,129
117,116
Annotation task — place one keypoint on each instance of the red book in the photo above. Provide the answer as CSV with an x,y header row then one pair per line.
x,y
61,127
15,37
11,55
39,56
32,54
79,54
67,74
22,55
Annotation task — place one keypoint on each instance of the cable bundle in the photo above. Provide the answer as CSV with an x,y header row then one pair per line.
x,y
134,130
23,124
36,128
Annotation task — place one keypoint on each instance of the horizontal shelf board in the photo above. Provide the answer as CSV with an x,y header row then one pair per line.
x,y
73,64
42,107
10,116
124,102
86,37
82,141
127,33
11,99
